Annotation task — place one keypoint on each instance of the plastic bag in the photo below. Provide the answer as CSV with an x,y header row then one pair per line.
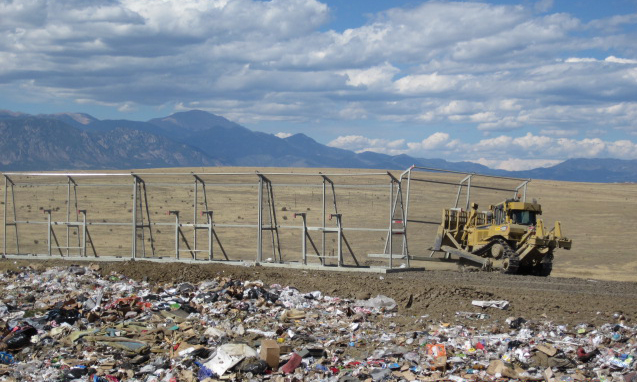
x,y
61,316
20,338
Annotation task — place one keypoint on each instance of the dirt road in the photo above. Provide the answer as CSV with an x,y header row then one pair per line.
x,y
438,294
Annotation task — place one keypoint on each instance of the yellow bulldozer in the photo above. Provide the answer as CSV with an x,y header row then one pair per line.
x,y
508,236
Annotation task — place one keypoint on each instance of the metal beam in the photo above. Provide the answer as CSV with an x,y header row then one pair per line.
x,y
260,221
134,225
4,217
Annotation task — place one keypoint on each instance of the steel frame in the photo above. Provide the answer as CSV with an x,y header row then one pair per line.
x,y
398,218
141,224
408,176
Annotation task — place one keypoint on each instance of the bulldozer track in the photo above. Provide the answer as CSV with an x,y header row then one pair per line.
x,y
511,258
484,249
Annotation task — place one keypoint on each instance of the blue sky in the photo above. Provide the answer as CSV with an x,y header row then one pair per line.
x,y
509,84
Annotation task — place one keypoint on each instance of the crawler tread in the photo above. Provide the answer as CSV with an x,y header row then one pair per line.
x,y
511,258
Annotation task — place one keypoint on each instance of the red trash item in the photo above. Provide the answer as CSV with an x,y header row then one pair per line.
x,y
436,350
292,364
584,356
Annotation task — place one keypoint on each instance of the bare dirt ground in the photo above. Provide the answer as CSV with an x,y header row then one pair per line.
x,y
437,294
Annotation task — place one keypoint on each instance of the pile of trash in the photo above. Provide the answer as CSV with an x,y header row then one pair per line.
x,y
71,324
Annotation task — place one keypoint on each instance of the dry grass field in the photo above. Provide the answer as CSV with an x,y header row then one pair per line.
x,y
600,218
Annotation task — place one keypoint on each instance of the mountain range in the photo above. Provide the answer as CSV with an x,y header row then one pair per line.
x,y
196,138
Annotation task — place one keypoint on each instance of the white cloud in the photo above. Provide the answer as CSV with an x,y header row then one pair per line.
x,y
491,122
127,108
360,144
611,59
558,132
377,75
496,144
510,104
516,164
433,142
353,111
283,135
612,23
543,5
482,117
532,142
427,83
501,152
584,148
618,60
622,149
462,107
451,66
580,60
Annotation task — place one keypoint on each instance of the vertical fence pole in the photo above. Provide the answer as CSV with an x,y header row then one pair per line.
x,y
15,217
83,233
177,235
260,222
468,193
324,226
134,238
340,240
194,219
391,224
210,242
304,239
68,216
48,231
406,216
4,218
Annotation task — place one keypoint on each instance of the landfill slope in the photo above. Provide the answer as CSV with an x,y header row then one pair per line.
x,y
438,294
147,322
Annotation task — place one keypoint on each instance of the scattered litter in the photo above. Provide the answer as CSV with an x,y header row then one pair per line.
x,y
379,302
491,304
72,324
229,355
473,315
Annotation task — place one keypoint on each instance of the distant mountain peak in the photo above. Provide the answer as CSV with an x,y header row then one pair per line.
x,y
194,120
9,113
81,118
300,138
193,112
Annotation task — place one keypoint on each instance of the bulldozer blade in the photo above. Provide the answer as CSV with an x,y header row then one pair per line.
x,y
485,262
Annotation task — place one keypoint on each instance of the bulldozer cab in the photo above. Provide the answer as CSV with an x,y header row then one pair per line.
x,y
516,212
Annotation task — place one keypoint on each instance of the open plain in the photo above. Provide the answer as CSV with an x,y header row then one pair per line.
x,y
600,218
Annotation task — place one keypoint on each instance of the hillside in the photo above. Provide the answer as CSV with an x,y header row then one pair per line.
x,y
197,138
49,144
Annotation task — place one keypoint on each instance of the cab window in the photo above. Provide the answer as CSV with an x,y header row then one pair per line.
x,y
523,217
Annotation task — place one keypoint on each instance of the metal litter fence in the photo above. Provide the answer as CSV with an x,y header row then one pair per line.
x,y
329,219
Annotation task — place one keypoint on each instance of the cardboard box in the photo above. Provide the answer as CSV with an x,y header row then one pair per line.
x,y
270,352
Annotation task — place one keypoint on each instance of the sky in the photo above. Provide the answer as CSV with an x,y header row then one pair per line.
x,y
509,84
